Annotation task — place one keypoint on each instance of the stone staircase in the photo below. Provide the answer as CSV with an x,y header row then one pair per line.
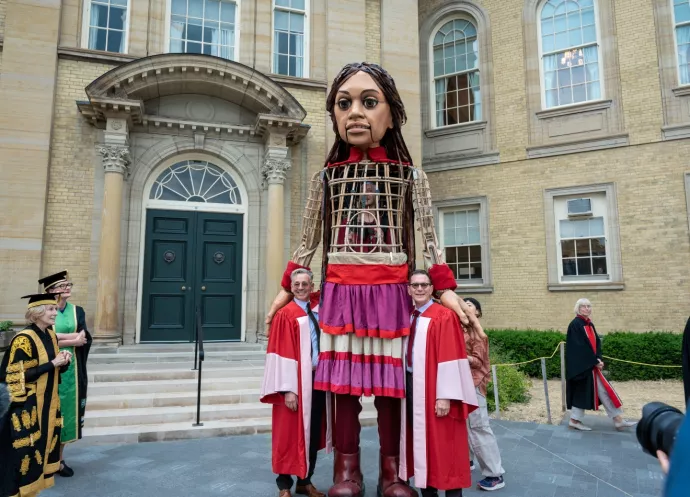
x,y
145,393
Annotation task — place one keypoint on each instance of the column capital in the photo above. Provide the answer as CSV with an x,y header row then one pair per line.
x,y
276,165
116,158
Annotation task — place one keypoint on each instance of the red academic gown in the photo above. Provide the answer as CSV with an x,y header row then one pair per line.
x,y
440,453
289,369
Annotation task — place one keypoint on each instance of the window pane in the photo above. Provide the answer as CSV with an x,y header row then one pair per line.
x,y
97,39
282,20
227,12
196,8
565,96
579,93
589,34
580,228
297,23
682,12
475,253
207,49
282,64
291,67
574,20
99,16
569,267
584,267
283,3
194,31
599,265
298,4
567,229
473,235
476,270
463,254
179,7
598,246
122,3
117,18
562,40
212,11
193,47
596,226
548,44
568,248
211,32
547,26
588,17
683,48
451,255
575,37
582,248
578,74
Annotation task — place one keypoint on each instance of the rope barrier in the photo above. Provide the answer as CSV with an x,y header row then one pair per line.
x,y
604,356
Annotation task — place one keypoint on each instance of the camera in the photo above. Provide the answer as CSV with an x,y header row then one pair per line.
x,y
658,427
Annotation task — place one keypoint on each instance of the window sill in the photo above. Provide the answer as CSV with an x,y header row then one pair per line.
x,y
676,131
470,289
592,287
94,55
568,110
298,82
577,146
455,129
681,91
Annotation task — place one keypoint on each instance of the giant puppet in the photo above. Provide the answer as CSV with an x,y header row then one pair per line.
x,y
364,202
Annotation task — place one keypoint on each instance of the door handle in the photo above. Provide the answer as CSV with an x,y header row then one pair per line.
x,y
203,288
183,288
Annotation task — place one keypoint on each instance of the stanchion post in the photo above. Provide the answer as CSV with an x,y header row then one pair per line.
x,y
546,388
563,402
495,378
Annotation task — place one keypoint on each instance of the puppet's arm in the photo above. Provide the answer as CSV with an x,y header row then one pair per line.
x,y
442,277
311,237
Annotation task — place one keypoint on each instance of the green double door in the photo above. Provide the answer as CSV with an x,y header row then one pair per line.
x,y
193,260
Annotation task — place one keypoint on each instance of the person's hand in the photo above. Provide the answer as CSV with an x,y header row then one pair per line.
x,y
600,365
282,299
663,461
81,338
61,359
291,401
442,407
451,301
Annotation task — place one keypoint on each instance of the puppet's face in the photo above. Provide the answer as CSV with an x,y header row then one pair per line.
x,y
361,112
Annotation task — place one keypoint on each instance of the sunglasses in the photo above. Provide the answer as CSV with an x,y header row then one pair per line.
x,y
420,285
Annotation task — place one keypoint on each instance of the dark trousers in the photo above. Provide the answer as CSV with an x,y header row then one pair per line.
x,y
347,428
318,404
428,491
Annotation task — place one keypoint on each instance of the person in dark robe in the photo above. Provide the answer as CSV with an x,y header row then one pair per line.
x,y
29,438
586,386
74,337
686,361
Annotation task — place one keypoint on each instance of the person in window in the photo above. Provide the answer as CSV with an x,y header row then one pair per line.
x,y
31,367
482,439
74,337
586,387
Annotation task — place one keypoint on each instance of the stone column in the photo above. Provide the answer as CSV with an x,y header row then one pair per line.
x,y
274,170
116,160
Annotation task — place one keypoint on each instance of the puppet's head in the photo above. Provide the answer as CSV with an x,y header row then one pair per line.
x,y
366,111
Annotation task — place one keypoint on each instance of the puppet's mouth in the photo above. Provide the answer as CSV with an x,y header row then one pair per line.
x,y
357,126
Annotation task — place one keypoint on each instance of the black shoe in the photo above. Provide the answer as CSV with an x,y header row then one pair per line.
x,y
65,471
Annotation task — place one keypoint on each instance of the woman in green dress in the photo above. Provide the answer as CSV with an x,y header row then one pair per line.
x,y
74,337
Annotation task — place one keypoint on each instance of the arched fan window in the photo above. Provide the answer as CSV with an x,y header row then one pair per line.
x,y
195,181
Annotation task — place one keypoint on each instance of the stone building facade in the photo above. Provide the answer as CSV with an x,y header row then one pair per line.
x,y
165,180
160,151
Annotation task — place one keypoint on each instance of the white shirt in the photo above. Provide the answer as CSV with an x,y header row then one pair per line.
x,y
314,334
420,310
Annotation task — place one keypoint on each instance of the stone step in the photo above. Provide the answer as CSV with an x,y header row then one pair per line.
x,y
182,431
182,366
183,356
168,386
156,348
172,399
174,374
181,414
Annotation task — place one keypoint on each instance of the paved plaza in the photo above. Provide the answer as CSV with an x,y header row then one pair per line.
x,y
540,461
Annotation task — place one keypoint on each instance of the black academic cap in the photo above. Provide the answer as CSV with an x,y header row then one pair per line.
x,y
41,299
53,279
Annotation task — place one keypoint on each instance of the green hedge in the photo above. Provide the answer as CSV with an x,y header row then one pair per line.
x,y
524,345
513,385
652,347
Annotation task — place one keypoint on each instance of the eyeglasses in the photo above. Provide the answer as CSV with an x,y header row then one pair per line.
x,y
586,306
303,284
64,286
423,286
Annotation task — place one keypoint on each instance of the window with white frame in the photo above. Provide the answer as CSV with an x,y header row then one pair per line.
x,y
681,19
290,38
569,52
204,27
106,25
462,242
456,73
581,232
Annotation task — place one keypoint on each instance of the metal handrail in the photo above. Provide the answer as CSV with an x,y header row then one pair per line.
x,y
199,354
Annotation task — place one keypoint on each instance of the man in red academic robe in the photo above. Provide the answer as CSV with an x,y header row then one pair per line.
x,y
440,396
298,409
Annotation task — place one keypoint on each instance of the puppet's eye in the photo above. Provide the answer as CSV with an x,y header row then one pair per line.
x,y
344,104
370,102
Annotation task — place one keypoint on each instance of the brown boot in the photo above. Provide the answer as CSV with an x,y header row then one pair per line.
x,y
347,477
308,490
285,493
390,485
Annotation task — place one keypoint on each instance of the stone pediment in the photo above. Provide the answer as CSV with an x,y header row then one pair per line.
x,y
190,91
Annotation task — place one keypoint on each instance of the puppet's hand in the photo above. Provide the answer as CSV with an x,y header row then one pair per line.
x,y
451,301
282,299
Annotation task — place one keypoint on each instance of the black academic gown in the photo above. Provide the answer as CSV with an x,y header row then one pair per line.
x,y
580,360
82,354
686,361
29,438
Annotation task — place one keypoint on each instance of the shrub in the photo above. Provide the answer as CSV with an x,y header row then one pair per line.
x,y
513,385
529,344
5,325
651,348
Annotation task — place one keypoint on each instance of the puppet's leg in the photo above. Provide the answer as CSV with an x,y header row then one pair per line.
x,y
347,475
390,485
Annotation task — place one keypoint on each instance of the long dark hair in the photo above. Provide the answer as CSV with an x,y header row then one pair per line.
x,y
392,141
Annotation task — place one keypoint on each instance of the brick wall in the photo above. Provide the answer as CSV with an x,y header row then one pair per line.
x,y
69,211
649,178
3,4
373,31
